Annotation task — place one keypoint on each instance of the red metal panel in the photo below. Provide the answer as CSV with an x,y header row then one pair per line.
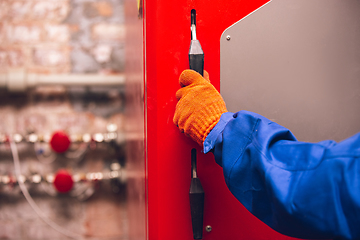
x,y
167,39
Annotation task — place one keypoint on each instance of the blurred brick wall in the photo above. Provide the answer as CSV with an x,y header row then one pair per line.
x,y
61,36
34,36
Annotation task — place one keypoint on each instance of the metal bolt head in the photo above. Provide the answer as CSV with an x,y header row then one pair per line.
x,y
36,178
208,228
86,138
17,138
111,127
33,138
115,166
98,137
228,37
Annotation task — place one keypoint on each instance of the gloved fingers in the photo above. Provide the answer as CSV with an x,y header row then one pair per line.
x,y
192,91
188,77
199,105
176,120
181,114
180,93
206,76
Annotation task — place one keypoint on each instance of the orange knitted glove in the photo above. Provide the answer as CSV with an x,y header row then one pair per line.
x,y
200,106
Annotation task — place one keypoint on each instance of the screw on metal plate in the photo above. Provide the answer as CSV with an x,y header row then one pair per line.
x,y
208,228
228,37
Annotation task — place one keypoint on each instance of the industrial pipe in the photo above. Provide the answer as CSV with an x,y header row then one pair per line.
x,y
19,80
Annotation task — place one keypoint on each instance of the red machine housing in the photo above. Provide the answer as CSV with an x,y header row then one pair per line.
x,y
166,46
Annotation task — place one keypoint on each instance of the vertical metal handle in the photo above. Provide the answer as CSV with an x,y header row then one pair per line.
x,y
197,196
196,54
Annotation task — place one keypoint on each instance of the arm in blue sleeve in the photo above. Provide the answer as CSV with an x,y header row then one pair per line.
x,y
304,190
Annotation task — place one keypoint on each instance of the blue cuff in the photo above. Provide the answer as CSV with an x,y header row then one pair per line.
x,y
218,129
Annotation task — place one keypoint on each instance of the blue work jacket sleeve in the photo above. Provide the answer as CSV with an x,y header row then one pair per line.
x,y
300,189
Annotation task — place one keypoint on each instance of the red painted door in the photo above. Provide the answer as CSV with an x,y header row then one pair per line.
x,y
167,39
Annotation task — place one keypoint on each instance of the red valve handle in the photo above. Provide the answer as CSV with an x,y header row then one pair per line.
x,y
63,181
60,142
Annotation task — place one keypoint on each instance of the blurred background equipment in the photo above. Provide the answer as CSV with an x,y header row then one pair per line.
x,y
64,132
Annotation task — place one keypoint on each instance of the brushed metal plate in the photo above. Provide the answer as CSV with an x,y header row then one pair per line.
x,y
298,64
